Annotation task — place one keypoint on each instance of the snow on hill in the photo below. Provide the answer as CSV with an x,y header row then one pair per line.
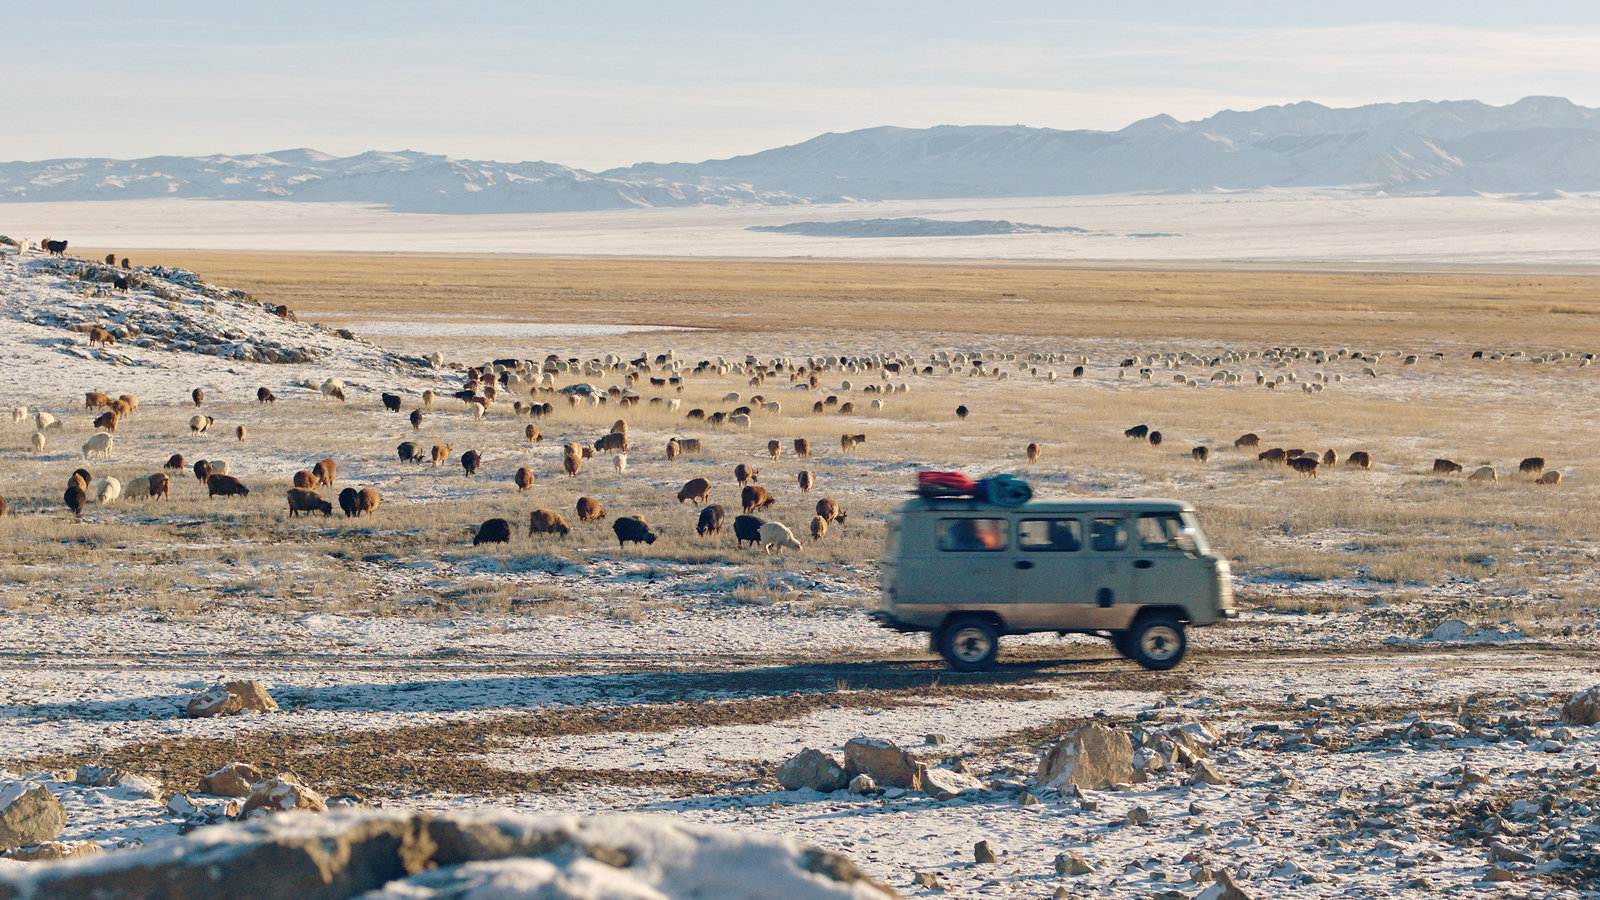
x,y
1536,146
914,226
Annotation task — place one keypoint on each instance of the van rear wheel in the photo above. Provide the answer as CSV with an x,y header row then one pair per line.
x,y
1156,642
969,643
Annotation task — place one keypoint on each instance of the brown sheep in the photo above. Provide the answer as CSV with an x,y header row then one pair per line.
x,y
619,427
1361,459
130,405
1200,454
107,420
307,501
848,442
830,510
1305,465
523,478
1275,455
807,481
125,264
589,509
99,335
544,521
696,489
226,486
111,259
1550,477
532,433
427,399
1032,451
197,395
754,497
263,395
802,448
1292,453
674,449
1443,466
440,453
819,527
571,463
175,461
325,472
1533,465
470,461
95,400
305,480
615,442
774,448
367,500
689,445
1248,439
1330,457
818,407
744,474
240,432
75,497
160,486
202,470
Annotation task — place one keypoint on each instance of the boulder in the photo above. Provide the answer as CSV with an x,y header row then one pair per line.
x,y
863,784
983,853
1583,708
50,851
943,784
232,780
812,769
886,763
1206,773
281,794
1072,864
1224,888
1092,756
29,815
230,699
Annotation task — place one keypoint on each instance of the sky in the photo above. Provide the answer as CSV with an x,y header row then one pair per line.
x,y
595,84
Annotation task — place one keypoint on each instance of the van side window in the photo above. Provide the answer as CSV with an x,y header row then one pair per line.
x,y
973,535
1108,535
1160,529
1061,535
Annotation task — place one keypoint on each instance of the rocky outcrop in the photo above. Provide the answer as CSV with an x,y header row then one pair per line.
x,y
1092,756
812,769
232,780
29,815
1583,708
282,794
231,699
885,762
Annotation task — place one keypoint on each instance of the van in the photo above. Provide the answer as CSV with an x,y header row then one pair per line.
x,y
967,571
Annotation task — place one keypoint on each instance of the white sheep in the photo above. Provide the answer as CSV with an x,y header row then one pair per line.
x,y
199,424
98,445
739,420
771,406
19,415
106,490
1484,473
44,420
620,461
136,488
777,534
38,442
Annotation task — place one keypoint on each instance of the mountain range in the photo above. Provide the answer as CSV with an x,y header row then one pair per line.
x,y
1536,146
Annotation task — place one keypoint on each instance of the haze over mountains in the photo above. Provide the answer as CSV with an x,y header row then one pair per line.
x,y
1536,146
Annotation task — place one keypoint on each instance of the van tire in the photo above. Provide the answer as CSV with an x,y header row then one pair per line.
x,y
969,643
1120,640
1156,641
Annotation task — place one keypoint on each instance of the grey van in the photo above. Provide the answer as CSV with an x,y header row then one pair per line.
x,y
968,571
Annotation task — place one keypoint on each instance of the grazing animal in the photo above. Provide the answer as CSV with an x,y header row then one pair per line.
x,y
1137,431
175,461
98,335
743,473
615,442
819,527
962,412
847,408
807,481
111,259
1200,454
76,495
1305,465
120,283
54,248
1361,459
620,463
44,421
571,462
125,264
1533,465
226,486
264,395
632,529
545,521
347,502
802,448
492,531
410,451
1484,473
532,433
776,537
674,449
197,395
774,448
38,441
696,489
747,528
325,472
523,478
200,424
1032,452
1443,466
427,398
160,486
307,501
1330,457
589,509
367,500
830,510
1275,455
202,470
95,400
391,402
440,453
1248,439
470,461
1550,477
755,497
106,490
333,387
98,445
689,445
106,420
306,480
710,520
848,442
240,432
1154,438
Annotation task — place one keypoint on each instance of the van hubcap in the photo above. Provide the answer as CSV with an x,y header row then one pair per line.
x,y
971,644
1160,642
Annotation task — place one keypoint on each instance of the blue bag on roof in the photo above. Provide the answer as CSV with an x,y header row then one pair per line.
x,y
1005,490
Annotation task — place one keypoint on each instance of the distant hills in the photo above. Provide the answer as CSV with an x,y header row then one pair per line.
x,y
1536,146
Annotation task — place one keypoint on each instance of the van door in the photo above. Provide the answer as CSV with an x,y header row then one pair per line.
x,y
1164,571
1049,562
1110,570
973,564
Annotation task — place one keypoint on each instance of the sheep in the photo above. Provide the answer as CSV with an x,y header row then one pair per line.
x,y
589,509
492,531
37,439
1330,457
1200,454
1305,465
802,448
226,486
674,449
620,426
1275,455
807,481
544,521
1550,477
747,528
819,527
620,463
332,388
523,479
1137,431
427,399
240,432
19,415
367,500
1484,473
43,421
1361,459
306,501
106,490
755,497
739,420
962,412
439,454
219,467
391,402
470,461
848,442
696,489
325,472
634,529
98,445
774,448
202,470
200,424
776,537
410,451
743,473
160,486
532,433
1533,465
571,462
1032,452
174,462
830,510
348,501
710,521
198,396
74,497
98,335
1155,438
1443,466
95,400
1248,439
305,480
264,395
689,445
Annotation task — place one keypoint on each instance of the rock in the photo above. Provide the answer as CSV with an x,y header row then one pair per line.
x,y
863,784
1582,708
812,769
97,776
1499,875
1027,799
1224,888
886,763
1499,852
1092,756
1553,746
943,784
230,699
1061,894
983,853
139,785
1137,816
929,881
29,815
281,794
1206,773
232,780
1072,864
934,740
53,850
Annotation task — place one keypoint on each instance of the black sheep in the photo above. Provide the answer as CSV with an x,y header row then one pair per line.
x,y
632,528
493,531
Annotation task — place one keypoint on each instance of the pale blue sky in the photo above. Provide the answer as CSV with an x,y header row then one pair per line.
x,y
598,84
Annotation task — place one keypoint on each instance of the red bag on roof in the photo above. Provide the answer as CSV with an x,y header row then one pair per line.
x,y
945,484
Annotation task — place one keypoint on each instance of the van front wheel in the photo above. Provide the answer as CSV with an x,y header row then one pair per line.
x,y
1156,642
969,643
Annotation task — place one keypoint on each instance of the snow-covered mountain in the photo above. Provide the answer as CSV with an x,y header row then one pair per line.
x,y
1538,145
